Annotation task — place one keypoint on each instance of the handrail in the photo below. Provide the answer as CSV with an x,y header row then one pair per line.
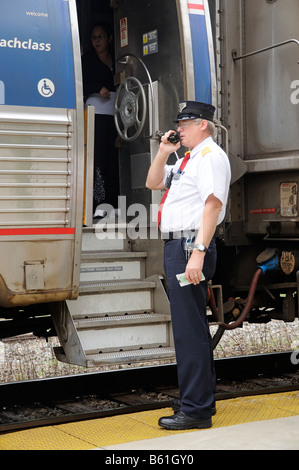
x,y
234,52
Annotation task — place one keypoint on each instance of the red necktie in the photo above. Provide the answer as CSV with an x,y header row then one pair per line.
x,y
184,163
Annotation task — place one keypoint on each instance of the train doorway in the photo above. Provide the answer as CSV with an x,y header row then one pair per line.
x,y
159,61
96,27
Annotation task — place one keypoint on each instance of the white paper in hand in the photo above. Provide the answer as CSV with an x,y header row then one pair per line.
x,y
183,281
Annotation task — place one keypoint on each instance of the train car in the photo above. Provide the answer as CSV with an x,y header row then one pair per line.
x,y
258,95
100,286
42,161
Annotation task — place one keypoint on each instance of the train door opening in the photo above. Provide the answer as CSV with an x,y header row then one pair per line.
x,y
160,60
95,19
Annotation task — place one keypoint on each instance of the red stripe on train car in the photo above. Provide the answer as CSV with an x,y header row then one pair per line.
x,y
194,6
38,231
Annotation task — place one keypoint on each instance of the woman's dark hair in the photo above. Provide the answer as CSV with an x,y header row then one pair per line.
x,y
104,25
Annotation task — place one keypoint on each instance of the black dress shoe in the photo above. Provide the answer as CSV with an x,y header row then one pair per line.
x,y
176,405
180,421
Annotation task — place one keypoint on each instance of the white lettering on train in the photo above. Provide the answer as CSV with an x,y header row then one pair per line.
x,y
15,43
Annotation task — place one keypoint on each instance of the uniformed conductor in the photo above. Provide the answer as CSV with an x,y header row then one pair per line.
x,y
195,204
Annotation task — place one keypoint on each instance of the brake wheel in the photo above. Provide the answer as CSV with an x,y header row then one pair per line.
x,y
130,109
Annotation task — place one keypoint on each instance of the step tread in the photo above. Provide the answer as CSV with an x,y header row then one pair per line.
x,y
96,255
84,316
108,225
106,286
117,320
135,355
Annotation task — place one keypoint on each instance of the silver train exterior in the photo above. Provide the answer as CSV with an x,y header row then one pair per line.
x,y
242,56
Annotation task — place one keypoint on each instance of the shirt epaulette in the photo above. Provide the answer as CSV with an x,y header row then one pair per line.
x,y
205,151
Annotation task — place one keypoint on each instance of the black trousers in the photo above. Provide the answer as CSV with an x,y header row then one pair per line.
x,y
193,342
106,168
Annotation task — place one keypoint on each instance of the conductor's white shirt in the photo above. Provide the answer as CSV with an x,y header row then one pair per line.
x,y
207,172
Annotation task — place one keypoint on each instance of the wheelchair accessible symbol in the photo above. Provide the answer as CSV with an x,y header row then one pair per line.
x,y
46,87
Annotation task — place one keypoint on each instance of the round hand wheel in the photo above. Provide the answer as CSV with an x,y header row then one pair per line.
x,y
130,109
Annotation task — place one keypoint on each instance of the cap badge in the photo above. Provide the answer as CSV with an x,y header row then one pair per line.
x,y
182,106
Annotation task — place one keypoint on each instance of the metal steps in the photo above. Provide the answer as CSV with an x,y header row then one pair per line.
x,y
120,316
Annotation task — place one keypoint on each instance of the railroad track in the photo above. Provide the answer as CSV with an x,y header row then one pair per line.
x,y
72,398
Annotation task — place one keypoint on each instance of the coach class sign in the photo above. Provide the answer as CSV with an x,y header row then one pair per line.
x,y
36,54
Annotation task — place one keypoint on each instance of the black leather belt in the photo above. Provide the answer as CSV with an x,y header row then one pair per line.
x,y
167,236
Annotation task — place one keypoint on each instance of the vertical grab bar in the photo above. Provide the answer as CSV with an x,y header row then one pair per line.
x,y
89,163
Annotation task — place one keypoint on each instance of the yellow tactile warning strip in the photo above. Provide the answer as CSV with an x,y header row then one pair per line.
x,y
97,433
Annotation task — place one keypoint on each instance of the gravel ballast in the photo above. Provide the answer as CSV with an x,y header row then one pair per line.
x,y
34,358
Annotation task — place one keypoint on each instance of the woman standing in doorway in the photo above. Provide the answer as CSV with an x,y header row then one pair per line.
x,y
99,91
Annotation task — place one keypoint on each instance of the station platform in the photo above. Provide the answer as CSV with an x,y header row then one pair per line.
x,y
260,422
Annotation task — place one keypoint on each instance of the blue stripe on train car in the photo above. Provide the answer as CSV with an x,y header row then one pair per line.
x,y
201,59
